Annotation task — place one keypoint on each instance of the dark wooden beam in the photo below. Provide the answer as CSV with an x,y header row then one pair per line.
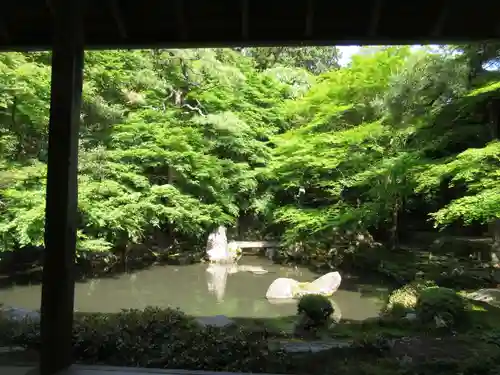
x,y
218,33
310,18
4,28
49,5
4,33
180,15
118,17
58,286
244,19
375,18
437,29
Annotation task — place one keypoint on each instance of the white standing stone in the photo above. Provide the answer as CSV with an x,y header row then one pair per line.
x,y
217,250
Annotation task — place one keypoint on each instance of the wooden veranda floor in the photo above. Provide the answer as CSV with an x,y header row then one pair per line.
x,y
107,370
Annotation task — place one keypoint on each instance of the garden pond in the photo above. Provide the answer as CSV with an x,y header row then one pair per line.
x,y
206,290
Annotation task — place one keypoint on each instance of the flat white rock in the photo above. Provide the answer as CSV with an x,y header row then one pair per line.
x,y
327,284
282,288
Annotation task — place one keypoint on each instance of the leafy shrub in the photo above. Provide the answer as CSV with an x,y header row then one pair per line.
x,y
442,303
316,307
404,299
155,338
374,344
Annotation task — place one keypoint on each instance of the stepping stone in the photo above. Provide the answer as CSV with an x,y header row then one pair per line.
x,y
219,321
11,349
17,314
311,346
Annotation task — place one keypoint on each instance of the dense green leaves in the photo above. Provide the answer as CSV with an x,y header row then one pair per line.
x,y
384,137
182,140
170,141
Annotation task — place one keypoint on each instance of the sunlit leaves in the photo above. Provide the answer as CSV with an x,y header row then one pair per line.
x,y
169,139
394,127
187,139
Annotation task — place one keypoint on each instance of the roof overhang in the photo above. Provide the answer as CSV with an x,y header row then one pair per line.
x,y
127,24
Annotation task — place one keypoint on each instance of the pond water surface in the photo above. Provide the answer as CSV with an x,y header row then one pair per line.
x,y
204,290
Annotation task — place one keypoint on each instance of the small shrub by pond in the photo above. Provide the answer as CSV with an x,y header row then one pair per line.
x,y
314,311
316,307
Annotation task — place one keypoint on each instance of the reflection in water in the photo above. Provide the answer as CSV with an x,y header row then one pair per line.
x,y
217,278
92,285
231,293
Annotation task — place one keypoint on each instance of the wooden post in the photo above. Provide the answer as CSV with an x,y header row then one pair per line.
x,y
58,287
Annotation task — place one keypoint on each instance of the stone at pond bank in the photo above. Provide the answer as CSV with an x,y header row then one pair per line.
x,y
297,346
285,288
257,270
411,316
219,321
490,296
11,349
16,313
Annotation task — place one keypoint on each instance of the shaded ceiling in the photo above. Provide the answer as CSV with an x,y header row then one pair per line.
x,y
26,24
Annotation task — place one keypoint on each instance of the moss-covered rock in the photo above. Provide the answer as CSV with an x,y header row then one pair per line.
x,y
403,300
442,306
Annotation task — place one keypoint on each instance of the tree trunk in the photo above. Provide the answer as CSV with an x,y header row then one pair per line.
x,y
494,226
394,241
495,247
170,177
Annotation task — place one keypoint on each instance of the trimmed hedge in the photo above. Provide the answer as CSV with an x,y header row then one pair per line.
x,y
161,338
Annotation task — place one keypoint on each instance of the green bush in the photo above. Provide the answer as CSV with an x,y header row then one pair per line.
x,y
155,338
404,299
444,304
316,307
376,344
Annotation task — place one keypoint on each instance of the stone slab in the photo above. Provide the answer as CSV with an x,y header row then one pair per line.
x,y
220,321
